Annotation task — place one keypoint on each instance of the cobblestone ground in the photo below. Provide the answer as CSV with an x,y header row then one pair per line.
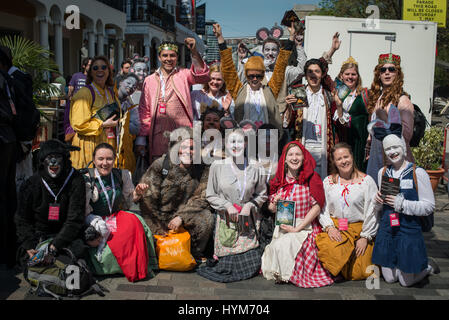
x,y
190,286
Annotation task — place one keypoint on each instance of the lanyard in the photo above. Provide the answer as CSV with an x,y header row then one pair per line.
x,y
110,204
290,197
51,191
105,92
241,190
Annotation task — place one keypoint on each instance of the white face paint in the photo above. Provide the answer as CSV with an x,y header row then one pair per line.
x,y
235,145
270,53
395,154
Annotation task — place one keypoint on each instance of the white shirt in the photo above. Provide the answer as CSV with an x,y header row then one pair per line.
x,y
355,204
426,203
255,108
314,124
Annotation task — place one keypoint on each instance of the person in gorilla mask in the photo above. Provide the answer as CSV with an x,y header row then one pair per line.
x,y
51,205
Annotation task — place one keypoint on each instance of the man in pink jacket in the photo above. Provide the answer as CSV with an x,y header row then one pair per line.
x,y
165,103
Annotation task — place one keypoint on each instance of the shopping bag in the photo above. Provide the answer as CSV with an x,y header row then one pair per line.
x,y
173,251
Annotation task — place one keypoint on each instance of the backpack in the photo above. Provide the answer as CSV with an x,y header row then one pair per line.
x,y
427,222
27,120
419,126
59,278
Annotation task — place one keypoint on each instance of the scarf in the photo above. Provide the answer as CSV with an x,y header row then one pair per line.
x,y
307,176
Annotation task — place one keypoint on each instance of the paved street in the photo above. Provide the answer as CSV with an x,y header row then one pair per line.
x,y
190,286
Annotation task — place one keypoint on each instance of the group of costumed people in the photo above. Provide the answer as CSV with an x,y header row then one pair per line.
x,y
333,150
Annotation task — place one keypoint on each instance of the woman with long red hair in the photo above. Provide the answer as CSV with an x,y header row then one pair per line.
x,y
292,254
386,91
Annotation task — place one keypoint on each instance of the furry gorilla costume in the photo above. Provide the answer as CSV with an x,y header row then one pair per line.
x,y
32,217
181,193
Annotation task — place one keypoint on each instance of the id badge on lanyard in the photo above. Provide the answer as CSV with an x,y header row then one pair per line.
x,y
163,107
343,224
110,133
394,220
53,212
317,130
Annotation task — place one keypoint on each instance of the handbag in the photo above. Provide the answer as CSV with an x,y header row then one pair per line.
x,y
173,251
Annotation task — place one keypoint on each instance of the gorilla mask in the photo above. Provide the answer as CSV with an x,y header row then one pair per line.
x,y
53,164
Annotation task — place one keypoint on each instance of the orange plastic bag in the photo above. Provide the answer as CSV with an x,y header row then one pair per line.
x,y
173,251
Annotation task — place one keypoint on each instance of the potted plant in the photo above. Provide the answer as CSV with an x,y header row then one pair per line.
x,y
32,58
429,154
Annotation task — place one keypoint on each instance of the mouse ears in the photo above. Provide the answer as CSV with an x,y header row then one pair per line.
x,y
245,125
380,129
264,33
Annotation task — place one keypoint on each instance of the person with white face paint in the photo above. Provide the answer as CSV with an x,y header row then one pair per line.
x,y
399,247
254,100
236,190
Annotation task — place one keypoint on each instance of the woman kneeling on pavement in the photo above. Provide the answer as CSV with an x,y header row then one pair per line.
x,y
176,195
292,254
236,190
348,218
120,241
399,248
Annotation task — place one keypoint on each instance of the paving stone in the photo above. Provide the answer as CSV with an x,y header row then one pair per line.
x,y
211,284
196,297
233,297
161,296
159,289
422,297
164,275
443,292
120,295
131,287
415,291
393,297
190,290
179,283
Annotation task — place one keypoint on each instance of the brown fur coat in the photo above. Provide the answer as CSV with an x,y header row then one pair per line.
x,y
182,193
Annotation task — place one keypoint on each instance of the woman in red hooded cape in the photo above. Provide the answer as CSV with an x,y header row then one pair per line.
x,y
292,254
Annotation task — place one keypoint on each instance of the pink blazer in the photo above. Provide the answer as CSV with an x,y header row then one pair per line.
x,y
182,80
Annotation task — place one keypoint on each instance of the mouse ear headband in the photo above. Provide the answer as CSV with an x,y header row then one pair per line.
x,y
264,33
245,125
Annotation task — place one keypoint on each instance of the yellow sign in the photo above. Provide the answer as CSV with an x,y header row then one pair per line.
x,y
425,10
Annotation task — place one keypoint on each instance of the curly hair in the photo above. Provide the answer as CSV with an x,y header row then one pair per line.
x,y
109,80
390,94
359,79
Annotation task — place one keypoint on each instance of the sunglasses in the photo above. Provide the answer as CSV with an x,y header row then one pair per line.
x,y
384,69
103,67
257,76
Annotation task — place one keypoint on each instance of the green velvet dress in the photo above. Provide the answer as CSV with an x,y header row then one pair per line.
x,y
356,133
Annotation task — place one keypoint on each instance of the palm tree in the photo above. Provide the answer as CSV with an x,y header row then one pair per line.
x,y
32,58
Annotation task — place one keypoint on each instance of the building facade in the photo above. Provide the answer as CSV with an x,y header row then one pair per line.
x,y
148,23
61,27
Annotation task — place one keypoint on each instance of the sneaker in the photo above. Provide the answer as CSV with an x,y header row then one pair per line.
x,y
434,266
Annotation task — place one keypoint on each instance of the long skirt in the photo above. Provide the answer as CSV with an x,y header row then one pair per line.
x,y
308,271
340,256
234,267
278,259
129,250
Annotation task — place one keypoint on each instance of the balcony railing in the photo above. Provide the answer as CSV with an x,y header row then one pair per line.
x,y
144,11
